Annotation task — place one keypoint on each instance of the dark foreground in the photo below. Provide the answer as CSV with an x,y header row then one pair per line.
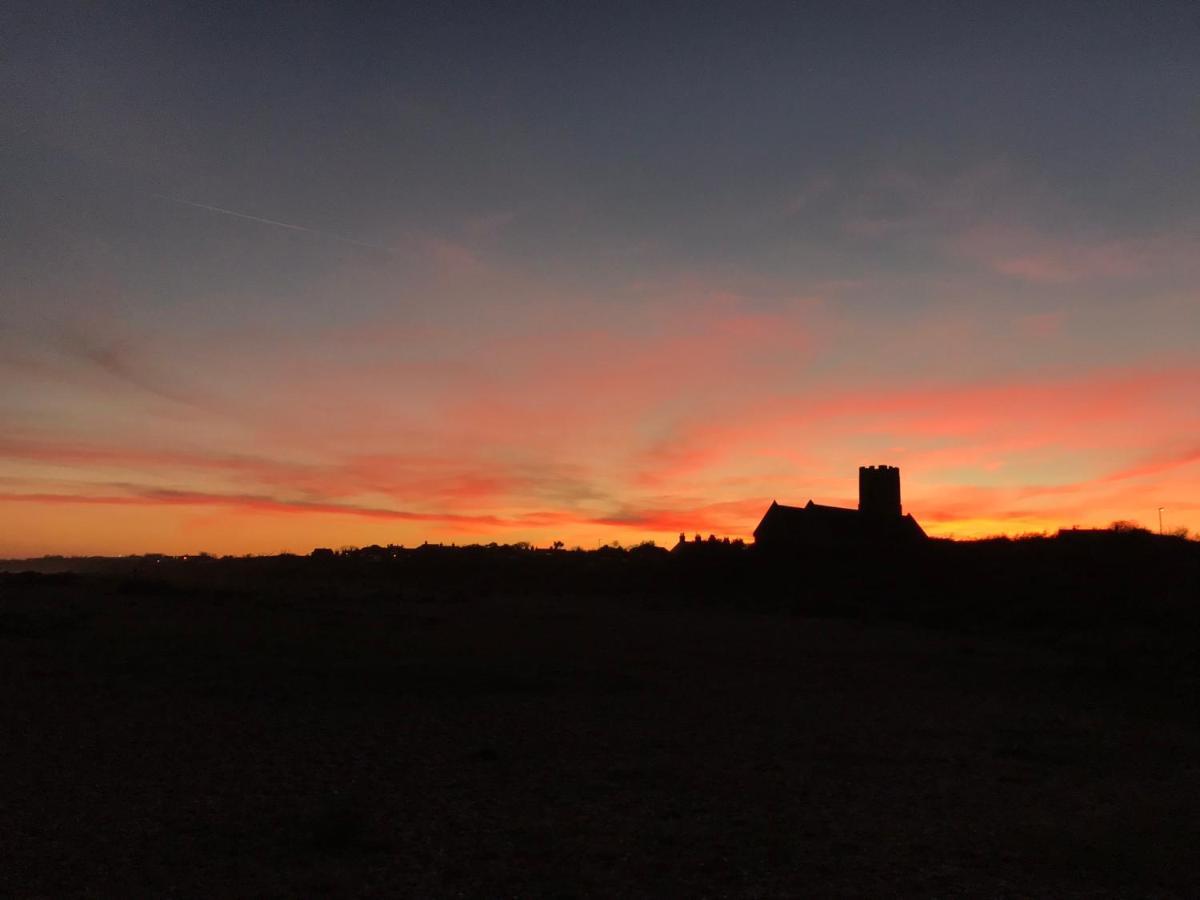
x,y
304,739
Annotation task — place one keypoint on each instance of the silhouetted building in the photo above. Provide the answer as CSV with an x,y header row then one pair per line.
x,y
879,491
713,546
879,519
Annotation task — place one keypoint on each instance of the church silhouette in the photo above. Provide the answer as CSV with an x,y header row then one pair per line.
x,y
878,521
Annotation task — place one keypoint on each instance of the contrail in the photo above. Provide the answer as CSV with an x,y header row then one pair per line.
x,y
289,225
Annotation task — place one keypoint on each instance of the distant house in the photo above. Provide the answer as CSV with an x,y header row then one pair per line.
x,y
712,547
879,519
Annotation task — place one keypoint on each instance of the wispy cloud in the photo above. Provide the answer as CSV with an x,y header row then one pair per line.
x,y
1158,464
1035,256
120,360
107,360
261,503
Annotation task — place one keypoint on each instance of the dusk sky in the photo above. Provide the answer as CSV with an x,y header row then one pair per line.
x,y
277,277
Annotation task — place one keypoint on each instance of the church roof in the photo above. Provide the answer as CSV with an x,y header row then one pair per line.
x,y
817,524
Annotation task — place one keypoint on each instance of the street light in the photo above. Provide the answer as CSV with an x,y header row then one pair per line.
x,y
1160,509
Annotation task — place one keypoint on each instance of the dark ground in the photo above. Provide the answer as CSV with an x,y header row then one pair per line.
x,y
308,736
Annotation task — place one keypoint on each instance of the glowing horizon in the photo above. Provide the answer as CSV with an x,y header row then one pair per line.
x,y
953,446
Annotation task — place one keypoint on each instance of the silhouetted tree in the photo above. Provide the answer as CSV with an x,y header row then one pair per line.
x,y
1125,526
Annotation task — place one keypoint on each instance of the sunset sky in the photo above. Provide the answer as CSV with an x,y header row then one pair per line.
x,y
320,275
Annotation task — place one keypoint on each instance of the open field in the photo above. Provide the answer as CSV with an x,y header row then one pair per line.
x,y
297,738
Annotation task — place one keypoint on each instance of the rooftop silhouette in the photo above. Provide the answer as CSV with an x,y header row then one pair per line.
x,y
878,520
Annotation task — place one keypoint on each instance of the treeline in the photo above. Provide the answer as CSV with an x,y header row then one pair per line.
x,y
1096,577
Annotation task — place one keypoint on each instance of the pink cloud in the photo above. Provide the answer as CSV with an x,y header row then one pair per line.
x,y
1157,464
1038,257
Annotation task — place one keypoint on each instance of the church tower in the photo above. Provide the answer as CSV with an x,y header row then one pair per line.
x,y
879,491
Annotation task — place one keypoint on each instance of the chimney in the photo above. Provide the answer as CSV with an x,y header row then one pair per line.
x,y
879,491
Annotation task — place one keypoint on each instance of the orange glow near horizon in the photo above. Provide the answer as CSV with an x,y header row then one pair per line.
x,y
504,460
109,525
